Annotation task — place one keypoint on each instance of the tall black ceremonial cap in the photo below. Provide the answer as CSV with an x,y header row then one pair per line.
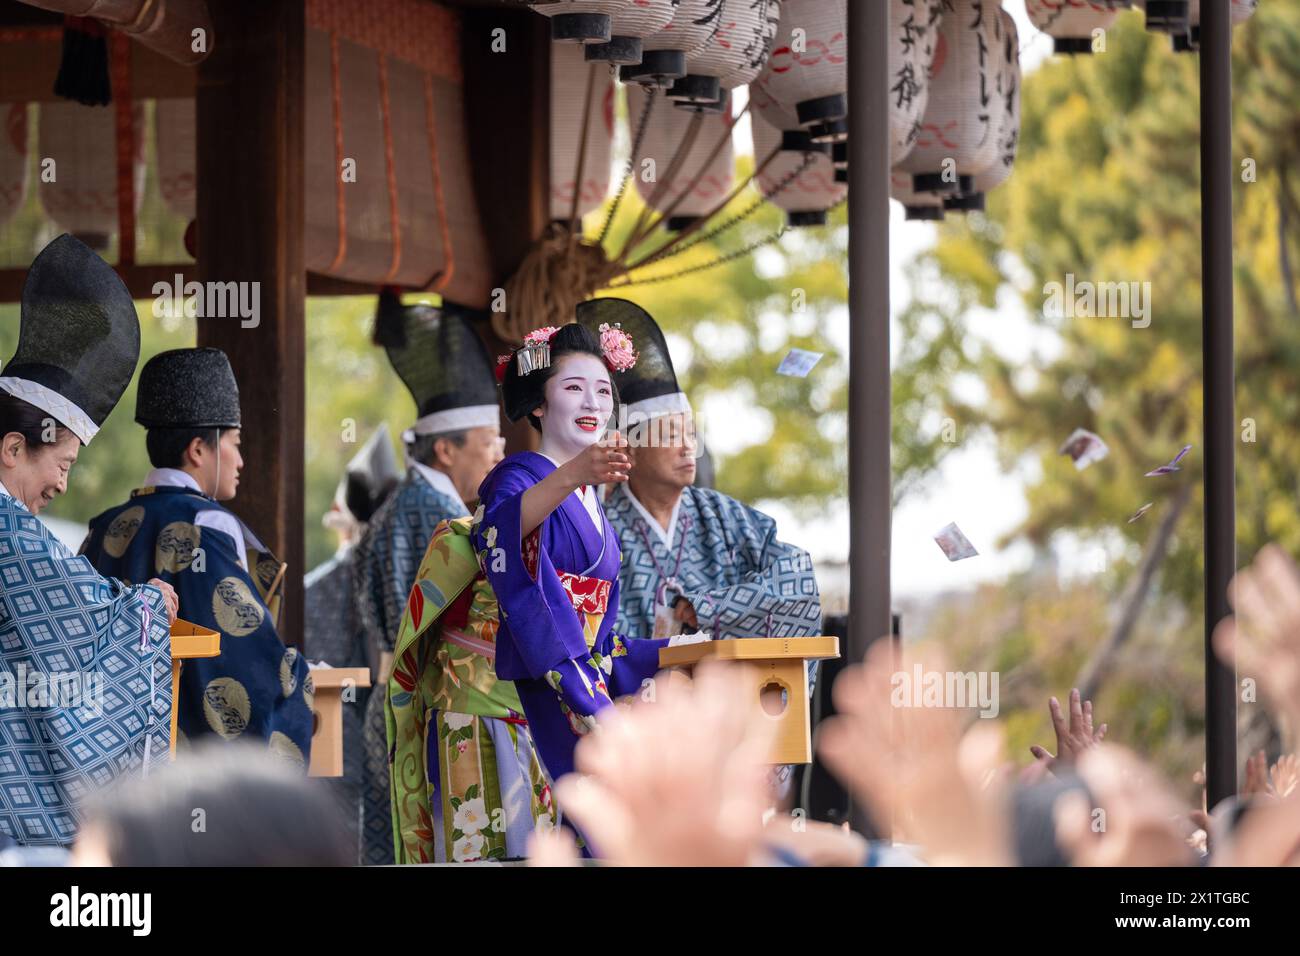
x,y
649,388
79,338
370,477
441,361
183,388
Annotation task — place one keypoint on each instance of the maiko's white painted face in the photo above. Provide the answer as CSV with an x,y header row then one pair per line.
x,y
579,402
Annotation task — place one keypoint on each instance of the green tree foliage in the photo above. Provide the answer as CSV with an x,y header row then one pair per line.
x,y
1106,188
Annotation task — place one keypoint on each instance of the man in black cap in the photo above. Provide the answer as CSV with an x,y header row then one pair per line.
x,y
450,449
175,528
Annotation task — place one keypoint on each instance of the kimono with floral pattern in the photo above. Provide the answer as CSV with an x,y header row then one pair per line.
x,y
466,783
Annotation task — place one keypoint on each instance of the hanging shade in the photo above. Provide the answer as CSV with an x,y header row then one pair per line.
x,y
82,140
389,196
916,206
958,134
13,159
570,108
808,72
700,179
735,54
1070,22
663,54
913,35
628,29
807,197
1008,113
174,129
580,21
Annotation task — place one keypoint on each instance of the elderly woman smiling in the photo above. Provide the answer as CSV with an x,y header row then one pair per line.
x,y
85,694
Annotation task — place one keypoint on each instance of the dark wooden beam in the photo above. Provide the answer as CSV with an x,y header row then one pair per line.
x,y
507,125
140,280
250,229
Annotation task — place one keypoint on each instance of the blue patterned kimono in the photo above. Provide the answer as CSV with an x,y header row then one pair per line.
x,y
724,558
58,618
256,688
557,590
385,562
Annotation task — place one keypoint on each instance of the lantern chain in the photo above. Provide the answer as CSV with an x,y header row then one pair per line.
x,y
633,152
733,221
721,260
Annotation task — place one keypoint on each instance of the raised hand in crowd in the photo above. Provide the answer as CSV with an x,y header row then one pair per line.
x,y
1135,820
1264,636
943,786
680,782
1072,737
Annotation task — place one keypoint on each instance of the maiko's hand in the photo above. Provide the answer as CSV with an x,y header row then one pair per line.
x,y
169,595
601,463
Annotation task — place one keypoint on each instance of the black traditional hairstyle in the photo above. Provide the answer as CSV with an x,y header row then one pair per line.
x,y
520,394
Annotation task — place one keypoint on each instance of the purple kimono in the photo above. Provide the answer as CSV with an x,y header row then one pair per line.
x,y
557,590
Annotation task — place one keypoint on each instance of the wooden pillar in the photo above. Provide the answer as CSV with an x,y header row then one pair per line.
x,y
1218,413
250,226
870,508
508,90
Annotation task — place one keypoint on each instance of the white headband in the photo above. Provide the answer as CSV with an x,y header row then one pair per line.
x,y
47,400
453,420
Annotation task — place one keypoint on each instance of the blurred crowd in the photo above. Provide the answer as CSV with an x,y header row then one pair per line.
x,y
683,781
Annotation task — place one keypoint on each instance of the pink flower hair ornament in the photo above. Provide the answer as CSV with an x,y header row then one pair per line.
x,y
535,353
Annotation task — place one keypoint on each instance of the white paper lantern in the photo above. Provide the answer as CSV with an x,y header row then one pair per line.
x,y
807,71
735,54
570,74
82,141
913,38
13,159
174,129
580,21
661,182
663,55
629,27
806,197
958,135
1008,94
1070,23
758,46
919,206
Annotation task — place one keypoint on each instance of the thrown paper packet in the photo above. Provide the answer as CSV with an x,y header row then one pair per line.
x,y
1170,468
1084,448
699,637
954,544
798,363
1140,512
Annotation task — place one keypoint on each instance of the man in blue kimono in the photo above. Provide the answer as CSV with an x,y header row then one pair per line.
x,y
693,558
454,443
174,528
